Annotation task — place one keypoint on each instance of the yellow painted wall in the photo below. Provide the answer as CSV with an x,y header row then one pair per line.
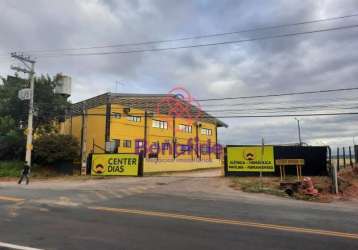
x,y
96,128
184,137
76,127
65,127
124,129
161,135
151,166
203,139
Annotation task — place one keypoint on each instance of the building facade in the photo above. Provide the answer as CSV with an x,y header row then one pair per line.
x,y
152,124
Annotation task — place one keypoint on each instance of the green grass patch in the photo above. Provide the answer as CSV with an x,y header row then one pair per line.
x,y
11,169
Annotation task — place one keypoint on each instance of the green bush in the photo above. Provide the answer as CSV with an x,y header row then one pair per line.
x,y
12,139
51,149
10,168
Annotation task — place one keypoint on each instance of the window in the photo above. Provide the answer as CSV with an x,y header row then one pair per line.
x,y
185,128
205,149
160,124
116,115
133,118
155,145
206,131
185,148
140,143
117,142
165,145
127,143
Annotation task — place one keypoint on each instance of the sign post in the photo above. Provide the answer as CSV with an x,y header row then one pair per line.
x,y
262,157
282,163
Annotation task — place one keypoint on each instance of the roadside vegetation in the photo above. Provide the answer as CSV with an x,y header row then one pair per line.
x,y
10,168
348,186
53,149
268,185
50,148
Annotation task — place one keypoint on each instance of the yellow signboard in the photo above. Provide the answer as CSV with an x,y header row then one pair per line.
x,y
288,162
250,159
115,164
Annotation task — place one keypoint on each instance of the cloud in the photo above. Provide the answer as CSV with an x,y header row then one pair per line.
x,y
307,62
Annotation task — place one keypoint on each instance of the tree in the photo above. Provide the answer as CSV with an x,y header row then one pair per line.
x,y
48,106
55,148
10,104
12,139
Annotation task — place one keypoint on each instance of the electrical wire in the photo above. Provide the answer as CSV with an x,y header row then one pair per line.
x,y
200,45
235,116
198,36
337,101
303,108
279,94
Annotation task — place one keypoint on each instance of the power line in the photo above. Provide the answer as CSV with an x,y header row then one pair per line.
x,y
242,116
197,37
280,94
330,101
200,45
280,112
287,115
293,108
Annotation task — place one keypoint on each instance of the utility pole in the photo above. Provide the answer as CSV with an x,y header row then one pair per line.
x,y
84,140
29,69
299,131
262,158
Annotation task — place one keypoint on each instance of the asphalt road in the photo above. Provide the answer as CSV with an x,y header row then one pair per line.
x,y
168,213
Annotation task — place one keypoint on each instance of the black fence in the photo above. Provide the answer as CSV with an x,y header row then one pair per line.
x,y
344,157
315,161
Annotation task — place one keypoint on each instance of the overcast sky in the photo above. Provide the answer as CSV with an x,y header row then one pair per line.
x,y
326,60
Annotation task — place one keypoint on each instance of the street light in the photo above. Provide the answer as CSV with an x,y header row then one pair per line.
x,y
299,131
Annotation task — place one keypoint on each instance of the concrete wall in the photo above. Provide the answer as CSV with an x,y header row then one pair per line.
x,y
151,166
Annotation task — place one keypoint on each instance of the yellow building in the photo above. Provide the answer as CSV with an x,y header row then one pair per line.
x,y
159,126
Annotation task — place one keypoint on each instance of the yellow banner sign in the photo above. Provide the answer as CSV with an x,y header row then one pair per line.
x,y
250,159
287,162
115,164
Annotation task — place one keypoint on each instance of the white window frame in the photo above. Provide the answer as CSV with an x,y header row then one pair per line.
x,y
210,131
206,131
159,124
185,128
133,118
126,145
165,145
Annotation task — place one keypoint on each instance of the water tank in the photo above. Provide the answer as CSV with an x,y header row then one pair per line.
x,y
63,85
